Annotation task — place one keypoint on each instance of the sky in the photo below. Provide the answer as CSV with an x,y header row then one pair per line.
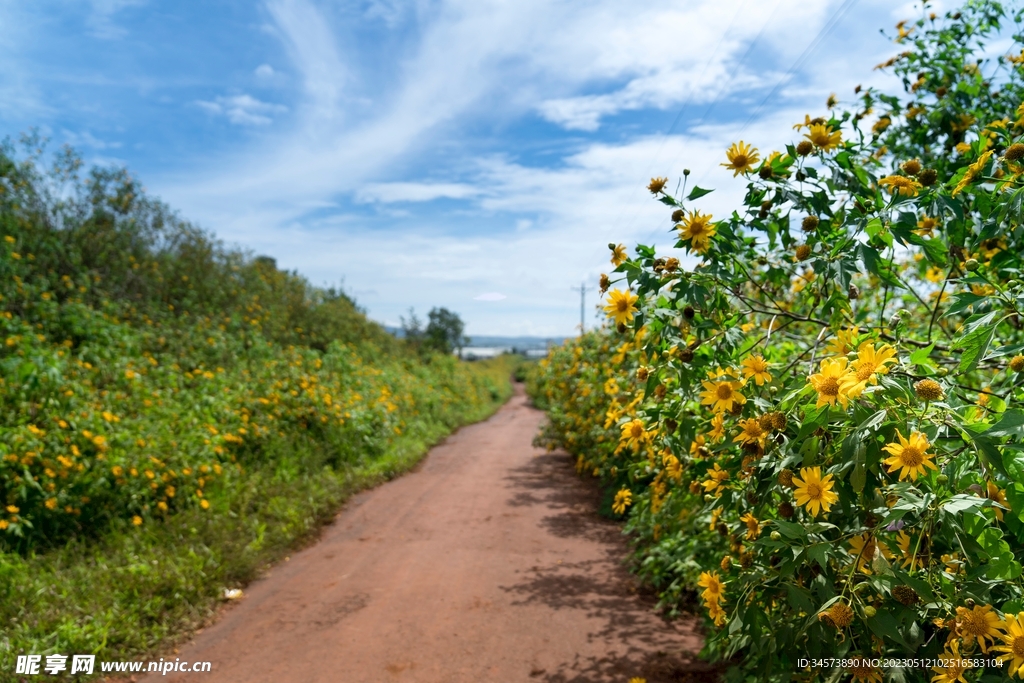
x,y
473,154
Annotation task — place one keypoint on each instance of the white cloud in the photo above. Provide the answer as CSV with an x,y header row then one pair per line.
x,y
414,192
264,71
243,110
543,212
306,35
490,296
87,139
101,20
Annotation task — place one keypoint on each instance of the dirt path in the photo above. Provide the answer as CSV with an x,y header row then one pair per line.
x,y
487,564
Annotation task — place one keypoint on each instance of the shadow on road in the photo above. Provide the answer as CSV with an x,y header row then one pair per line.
x,y
639,642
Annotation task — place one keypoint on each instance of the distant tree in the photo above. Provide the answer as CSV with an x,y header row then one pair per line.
x,y
444,331
412,329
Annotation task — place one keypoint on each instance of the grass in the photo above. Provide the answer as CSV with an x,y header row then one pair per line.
x,y
137,591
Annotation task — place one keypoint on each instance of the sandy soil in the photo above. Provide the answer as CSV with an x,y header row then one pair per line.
x,y
488,563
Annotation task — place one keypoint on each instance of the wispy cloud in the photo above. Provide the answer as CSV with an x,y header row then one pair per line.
x,y
243,110
101,20
440,152
414,192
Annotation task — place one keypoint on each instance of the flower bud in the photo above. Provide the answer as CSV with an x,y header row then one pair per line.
x,y
869,611
971,265
1014,152
854,291
776,536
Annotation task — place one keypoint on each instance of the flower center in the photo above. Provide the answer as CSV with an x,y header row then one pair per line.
x,y
739,161
1018,646
865,371
974,624
814,490
829,387
622,305
911,457
697,228
724,392
637,431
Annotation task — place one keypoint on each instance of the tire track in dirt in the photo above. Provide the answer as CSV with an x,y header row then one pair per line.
x,y
487,563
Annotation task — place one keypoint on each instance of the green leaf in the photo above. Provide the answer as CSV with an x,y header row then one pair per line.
x,y
697,193
962,502
921,356
819,553
1010,424
789,529
975,342
884,625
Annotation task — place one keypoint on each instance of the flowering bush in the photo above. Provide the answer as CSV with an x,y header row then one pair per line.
x,y
141,363
817,427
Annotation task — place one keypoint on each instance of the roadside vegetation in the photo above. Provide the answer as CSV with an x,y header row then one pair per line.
x,y
176,415
814,431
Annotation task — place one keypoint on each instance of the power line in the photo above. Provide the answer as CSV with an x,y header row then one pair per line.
x,y
686,103
811,47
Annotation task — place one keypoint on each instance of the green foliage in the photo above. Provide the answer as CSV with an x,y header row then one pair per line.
x,y
816,428
177,414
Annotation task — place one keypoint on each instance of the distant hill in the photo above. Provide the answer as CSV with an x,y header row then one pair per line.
x,y
520,343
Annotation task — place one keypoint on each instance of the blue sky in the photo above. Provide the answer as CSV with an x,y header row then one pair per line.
x,y
433,152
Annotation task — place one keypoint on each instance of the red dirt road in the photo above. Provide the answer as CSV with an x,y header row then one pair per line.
x,y
488,563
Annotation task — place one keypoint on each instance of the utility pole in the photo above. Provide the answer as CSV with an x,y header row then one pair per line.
x,y
582,289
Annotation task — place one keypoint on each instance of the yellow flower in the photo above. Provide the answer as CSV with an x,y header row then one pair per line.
x,y
954,666
621,306
903,542
897,184
716,612
835,382
742,158
618,254
751,432
863,548
136,520
697,228
696,446
823,137
722,394
972,172
717,480
863,671
1013,644
814,491
980,623
935,274
871,360
843,342
756,367
13,509
634,435
623,499
713,587
926,226
717,427
997,496
657,185
753,526
909,456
